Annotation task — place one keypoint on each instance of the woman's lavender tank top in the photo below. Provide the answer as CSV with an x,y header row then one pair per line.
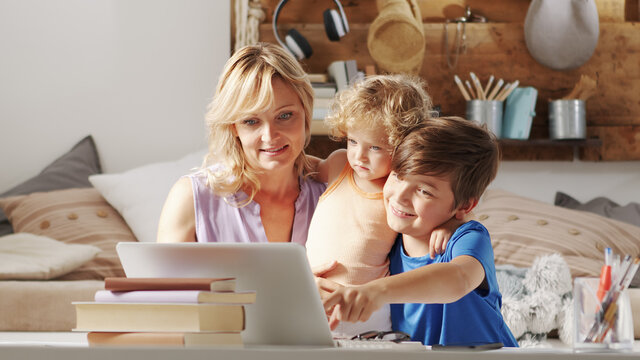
x,y
217,221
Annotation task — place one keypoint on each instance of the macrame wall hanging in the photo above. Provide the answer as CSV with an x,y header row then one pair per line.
x,y
248,16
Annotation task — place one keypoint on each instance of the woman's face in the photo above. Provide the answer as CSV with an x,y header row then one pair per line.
x,y
274,139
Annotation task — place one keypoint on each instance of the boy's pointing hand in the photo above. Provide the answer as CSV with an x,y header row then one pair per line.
x,y
353,303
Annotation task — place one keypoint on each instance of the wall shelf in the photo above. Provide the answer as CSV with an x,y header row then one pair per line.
x,y
543,149
581,143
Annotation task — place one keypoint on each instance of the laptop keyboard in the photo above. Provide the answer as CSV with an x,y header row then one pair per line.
x,y
379,344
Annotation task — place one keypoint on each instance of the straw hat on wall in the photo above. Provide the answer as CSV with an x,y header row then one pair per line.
x,y
396,37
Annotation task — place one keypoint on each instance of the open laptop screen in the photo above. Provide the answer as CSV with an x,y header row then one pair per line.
x,y
288,309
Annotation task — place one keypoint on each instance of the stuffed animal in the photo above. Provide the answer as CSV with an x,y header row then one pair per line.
x,y
537,300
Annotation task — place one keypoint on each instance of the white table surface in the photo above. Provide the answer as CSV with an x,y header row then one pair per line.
x,y
73,345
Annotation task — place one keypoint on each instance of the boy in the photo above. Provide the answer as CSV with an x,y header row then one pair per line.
x,y
439,172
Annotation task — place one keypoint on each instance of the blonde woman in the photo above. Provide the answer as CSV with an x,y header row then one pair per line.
x,y
253,185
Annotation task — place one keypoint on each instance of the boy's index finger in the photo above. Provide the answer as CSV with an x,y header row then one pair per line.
x,y
327,285
331,301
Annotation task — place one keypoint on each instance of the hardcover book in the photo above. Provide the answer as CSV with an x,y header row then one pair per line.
x,y
207,284
176,296
324,103
185,339
136,317
324,90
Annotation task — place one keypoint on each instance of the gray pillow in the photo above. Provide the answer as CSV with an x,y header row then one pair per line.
x,y
70,170
603,206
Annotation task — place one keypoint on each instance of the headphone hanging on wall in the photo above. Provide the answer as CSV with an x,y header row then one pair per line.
x,y
335,25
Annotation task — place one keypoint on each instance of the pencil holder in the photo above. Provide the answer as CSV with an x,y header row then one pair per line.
x,y
567,119
487,112
599,326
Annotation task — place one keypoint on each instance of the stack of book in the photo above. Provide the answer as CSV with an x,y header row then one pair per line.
x,y
165,311
340,75
323,93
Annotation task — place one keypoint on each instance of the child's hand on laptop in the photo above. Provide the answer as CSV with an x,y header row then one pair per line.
x,y
325,286
352,303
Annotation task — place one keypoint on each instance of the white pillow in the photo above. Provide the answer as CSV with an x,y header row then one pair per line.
x,y
139,194
25,256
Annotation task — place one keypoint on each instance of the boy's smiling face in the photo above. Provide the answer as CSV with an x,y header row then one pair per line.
x,y
417,204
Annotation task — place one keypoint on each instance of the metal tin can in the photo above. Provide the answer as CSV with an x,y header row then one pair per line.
x,y
567,119
487,112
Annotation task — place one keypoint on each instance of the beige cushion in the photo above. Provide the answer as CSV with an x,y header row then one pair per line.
x,y
522,229
43,305
33,257
74,216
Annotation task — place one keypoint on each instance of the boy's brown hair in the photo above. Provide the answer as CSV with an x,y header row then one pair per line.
x,y
392,103
454,147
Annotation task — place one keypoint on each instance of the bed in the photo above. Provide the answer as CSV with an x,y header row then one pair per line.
x,y
72,202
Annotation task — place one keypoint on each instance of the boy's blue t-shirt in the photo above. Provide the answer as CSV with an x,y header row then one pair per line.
x,y
475,318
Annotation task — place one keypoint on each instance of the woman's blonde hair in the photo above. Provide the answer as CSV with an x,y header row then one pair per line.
x,y
245,89
392,103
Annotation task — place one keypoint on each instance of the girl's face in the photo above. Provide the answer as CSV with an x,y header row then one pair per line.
x,y
417,204
274,138
369,153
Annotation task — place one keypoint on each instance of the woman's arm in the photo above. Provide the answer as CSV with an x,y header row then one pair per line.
x,y
177,220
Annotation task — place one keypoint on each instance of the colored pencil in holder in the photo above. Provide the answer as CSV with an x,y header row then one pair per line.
x,y
461,87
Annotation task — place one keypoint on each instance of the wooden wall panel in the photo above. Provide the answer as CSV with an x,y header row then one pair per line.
x,y
496,48
365,11
618,143
500,49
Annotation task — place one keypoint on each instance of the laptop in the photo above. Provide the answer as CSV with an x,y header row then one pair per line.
x,y
288,309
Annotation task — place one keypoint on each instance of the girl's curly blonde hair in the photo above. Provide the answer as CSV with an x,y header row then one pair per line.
x,y
393,103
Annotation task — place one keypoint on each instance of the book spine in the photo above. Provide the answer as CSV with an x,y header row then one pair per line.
x,y
154,296
135,338
96,338
319,113
324,92
322,102
351,68
137,317
129,284
175,296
